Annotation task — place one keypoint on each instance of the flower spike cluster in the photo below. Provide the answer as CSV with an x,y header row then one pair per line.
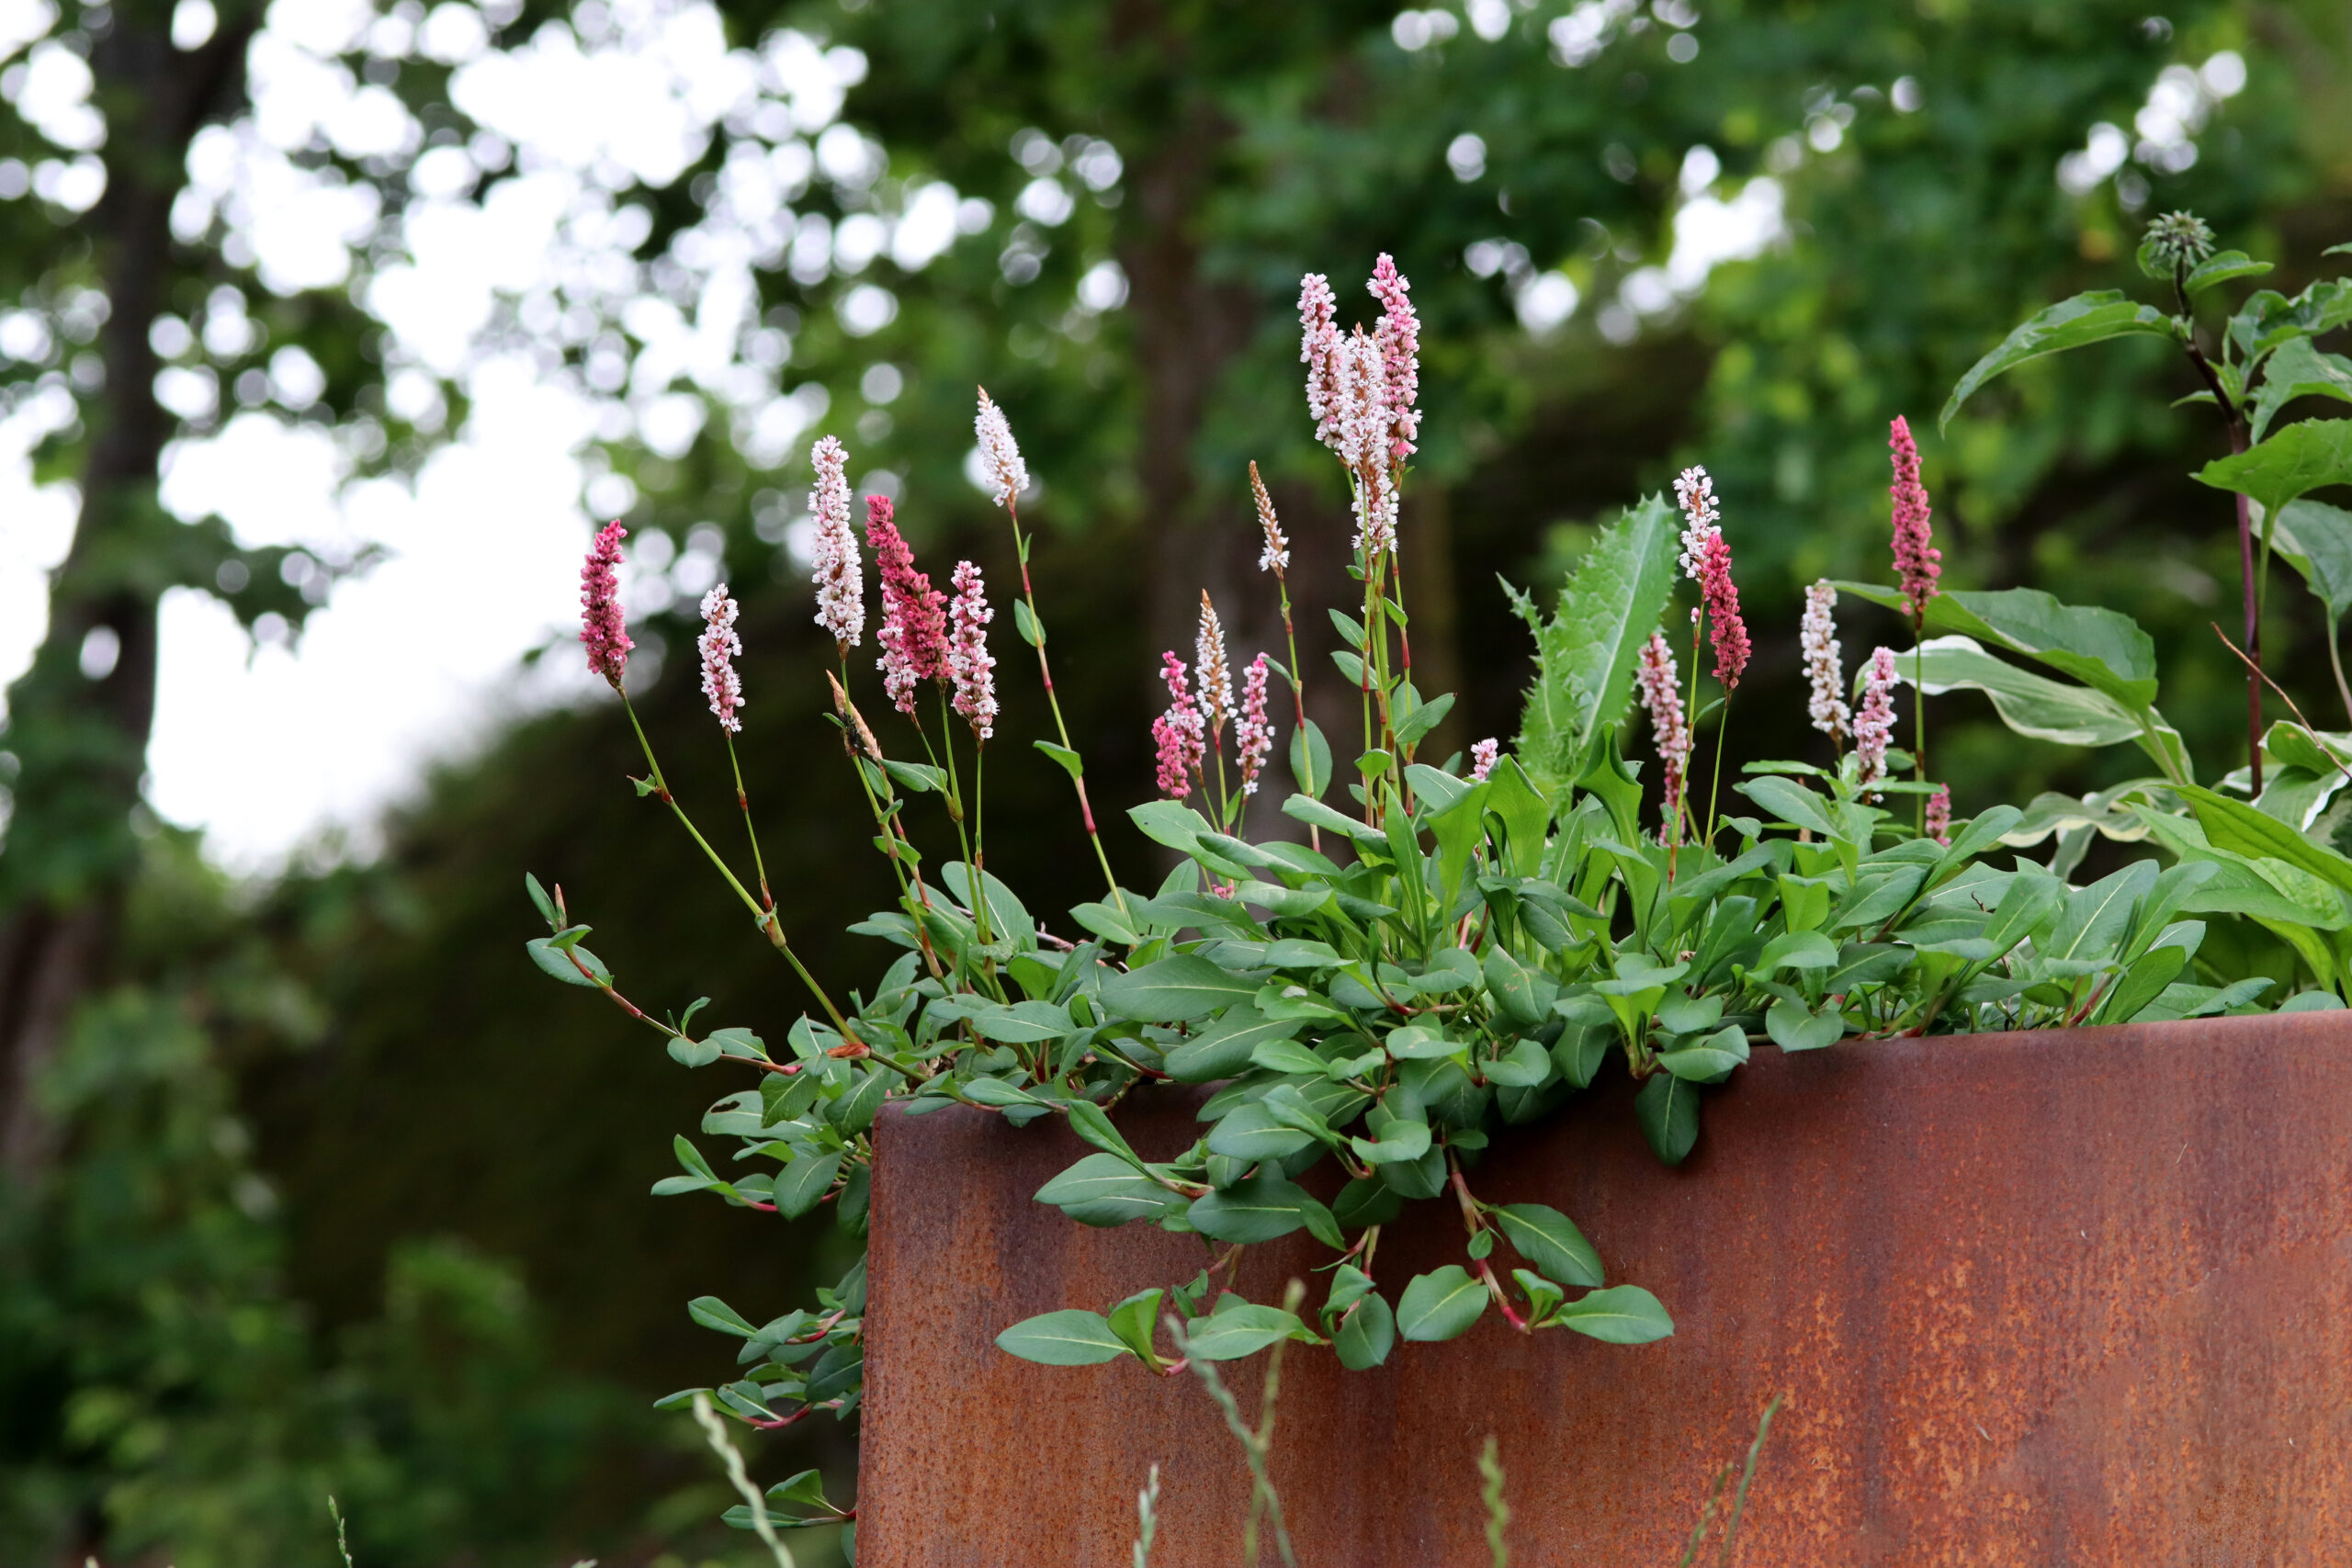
x,y
1660,687
720,647
1363,445
1275,555
1319,348
1482,758
1178,737
1253,737
913,634
969,664
1939,822
840,580
1917,562
1825,668
1874,726
604,629
1217,675
999,454
1399,337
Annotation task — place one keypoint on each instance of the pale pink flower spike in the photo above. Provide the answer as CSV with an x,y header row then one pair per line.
x,y
604,629
999,454
1399,337
840,580
1940,816
1661,693
969,664
1825,667
1275,555
1874,726
1482,758
1253,737
1318,345
1217,675
720,647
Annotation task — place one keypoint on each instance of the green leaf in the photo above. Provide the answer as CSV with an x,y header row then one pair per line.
x,y
1315,814
2142,984
1401,1140
1441,1305
540,899
1424,718
1789,802
1550,1240
1071,762
1586,652
1135,1321
1234,1332
1022,1024
2031,705
2223,267
2316,540
1107,922
801,1185
2298,370
712,1312
2086,319
1224,1049
1710,1059
920,777
1259,1208
1251,1132
1623,1314
1667,1110
2305,456
1066,1338
2234,826
1524,1066
1796,950
1366,1335
2104,649
552,959
1093,1123
1104,1191
1025,621
1794,1027
1173,990
1287,1056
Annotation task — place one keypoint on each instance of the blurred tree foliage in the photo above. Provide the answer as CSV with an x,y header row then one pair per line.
x,y
185,1368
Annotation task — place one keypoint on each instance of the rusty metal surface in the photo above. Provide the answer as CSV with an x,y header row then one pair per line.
x,y
2039,1298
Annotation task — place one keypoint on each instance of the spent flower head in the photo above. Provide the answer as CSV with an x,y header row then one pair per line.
x,y
720,647
2179,240
840,579
999,454
604,629
1825,665
913,634
969,664
1917,562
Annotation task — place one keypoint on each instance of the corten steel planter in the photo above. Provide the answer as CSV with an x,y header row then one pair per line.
x,y
2054,1299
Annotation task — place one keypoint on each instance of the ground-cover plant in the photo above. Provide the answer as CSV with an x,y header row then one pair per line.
x,y
1449,945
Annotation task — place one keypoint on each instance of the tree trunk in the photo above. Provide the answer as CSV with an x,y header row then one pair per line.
x,y
81,743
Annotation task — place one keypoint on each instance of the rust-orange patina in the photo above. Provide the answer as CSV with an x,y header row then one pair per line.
x,y
2058,1299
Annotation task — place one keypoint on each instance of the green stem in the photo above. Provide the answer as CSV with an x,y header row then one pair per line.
x,y
759,867
1298,703
1722,733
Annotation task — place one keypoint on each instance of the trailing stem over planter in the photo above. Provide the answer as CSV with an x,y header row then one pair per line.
x,y
1455,947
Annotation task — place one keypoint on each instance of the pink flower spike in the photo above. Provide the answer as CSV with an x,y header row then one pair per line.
x,y
969,663
1217,675
1275,555
1253,737
1940,816
840,580
604,629
1874,726
720,647
1825,668
1917,560
913,634
1725,627
1318,345
1177,735
1661,693
1482,758
1695,494
1399,337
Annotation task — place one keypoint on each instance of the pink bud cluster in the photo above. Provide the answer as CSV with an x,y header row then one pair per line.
x,y
1939,822
841,582
1482,758
1253,737
1660,687
1825,666
1874,726
1179,737
969,664
1917,562
913,634
604,629
720,647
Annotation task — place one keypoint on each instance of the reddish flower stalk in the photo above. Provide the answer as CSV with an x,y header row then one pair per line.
x,y
969,664
604,629
1254,736
913,634
1178,736
720,647
1917,563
